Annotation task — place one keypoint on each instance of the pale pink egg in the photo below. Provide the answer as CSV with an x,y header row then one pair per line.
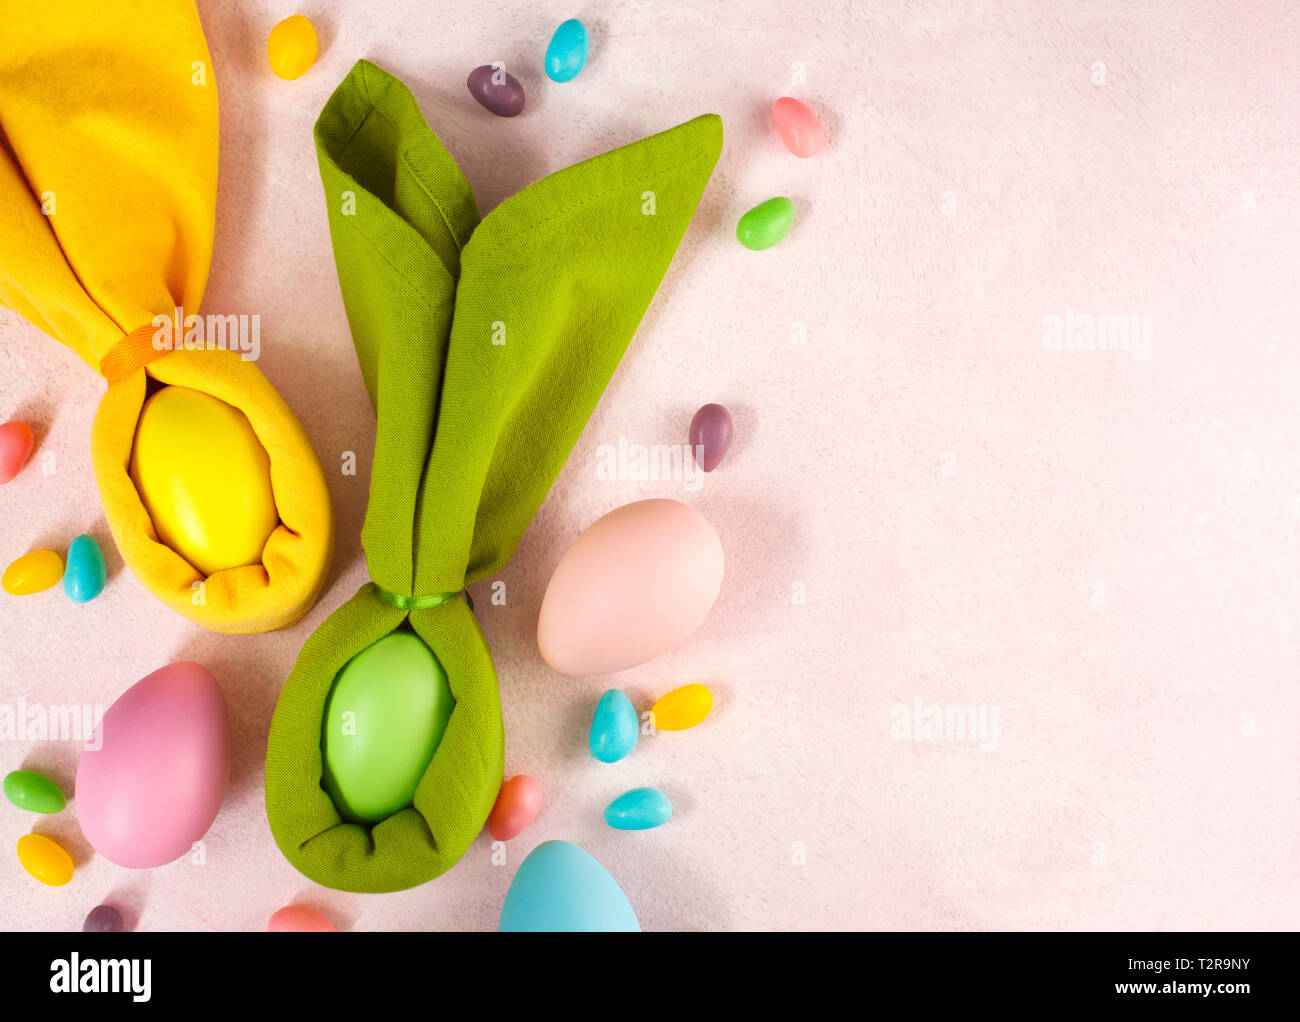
x,y
156,773
299,919
798,127
633,586
516,807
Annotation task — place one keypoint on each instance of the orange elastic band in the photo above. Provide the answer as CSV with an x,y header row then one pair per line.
x,y
132,351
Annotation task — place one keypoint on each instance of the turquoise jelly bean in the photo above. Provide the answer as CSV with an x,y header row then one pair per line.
x,y
613,727
639,809
567,53
83,578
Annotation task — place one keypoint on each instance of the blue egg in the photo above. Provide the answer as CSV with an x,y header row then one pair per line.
x,y
559,888
567,54
639,809
613,727
83,578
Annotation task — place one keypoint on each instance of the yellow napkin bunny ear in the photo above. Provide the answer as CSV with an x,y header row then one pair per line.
x,y
108,177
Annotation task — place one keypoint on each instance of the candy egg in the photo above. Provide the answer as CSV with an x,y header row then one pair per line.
x,y
634,585
567,53
299,919
204,478
16,442
559,888
639,809
291,47
710,435
155,774
798,127
516,807
45,859
32,573
682,708
384,718
29,790
83,579
496,90
103,919
765,224
614,727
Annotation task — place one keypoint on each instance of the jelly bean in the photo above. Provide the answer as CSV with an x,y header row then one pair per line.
x,y
765,224
29,790
15,447
496,90
567,53
103,919
613,727
84,578
798,127
45,859
517,806
32,573
291,47
299,919
710,435
682,708
639,809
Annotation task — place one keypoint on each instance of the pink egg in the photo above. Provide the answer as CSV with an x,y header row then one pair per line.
x,y
633,586
299,919
798,127
156,773
516,807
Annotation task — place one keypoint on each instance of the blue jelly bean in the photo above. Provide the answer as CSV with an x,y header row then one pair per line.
x,y
567,54
83,578
613,727
639,809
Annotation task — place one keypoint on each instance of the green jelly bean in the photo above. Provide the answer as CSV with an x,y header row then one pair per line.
x,y
765,224
29,790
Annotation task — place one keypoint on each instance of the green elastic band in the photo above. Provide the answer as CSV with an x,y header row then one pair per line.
x,y
413,602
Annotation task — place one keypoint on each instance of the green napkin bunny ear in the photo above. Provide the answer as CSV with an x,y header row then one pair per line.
x,y
484,347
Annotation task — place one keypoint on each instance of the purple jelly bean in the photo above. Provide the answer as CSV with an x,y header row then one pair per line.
x,y
499,92
710,435
103,919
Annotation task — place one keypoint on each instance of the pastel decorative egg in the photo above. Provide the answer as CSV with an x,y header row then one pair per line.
x,y
29,790
682,708
45,859
497,91
633,586
156,772
710,435
798,127
204,478
559,888
614,727
384,718
83,578
32,573
639,809
16,441
299,919
765,224
103,919
516,807
567,53
291,47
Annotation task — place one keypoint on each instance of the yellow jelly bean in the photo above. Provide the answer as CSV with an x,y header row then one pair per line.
x,y
291,47
682,708
32,573
45,859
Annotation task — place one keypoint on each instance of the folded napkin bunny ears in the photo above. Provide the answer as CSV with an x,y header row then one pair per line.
x,y
108,177
484,346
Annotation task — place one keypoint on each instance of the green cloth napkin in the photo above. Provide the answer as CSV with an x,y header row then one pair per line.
x,y
484,345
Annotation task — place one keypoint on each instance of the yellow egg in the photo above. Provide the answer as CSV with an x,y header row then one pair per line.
x,y
291,47
45,859
33,573
204,478
682,708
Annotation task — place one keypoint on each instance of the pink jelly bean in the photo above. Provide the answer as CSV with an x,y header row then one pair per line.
x,y
517,806
798,127
15,447
299,919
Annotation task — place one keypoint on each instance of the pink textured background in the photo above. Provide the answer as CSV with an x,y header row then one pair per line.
x,y
1100,548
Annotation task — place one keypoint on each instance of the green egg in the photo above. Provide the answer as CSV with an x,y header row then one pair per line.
x,y
384,718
